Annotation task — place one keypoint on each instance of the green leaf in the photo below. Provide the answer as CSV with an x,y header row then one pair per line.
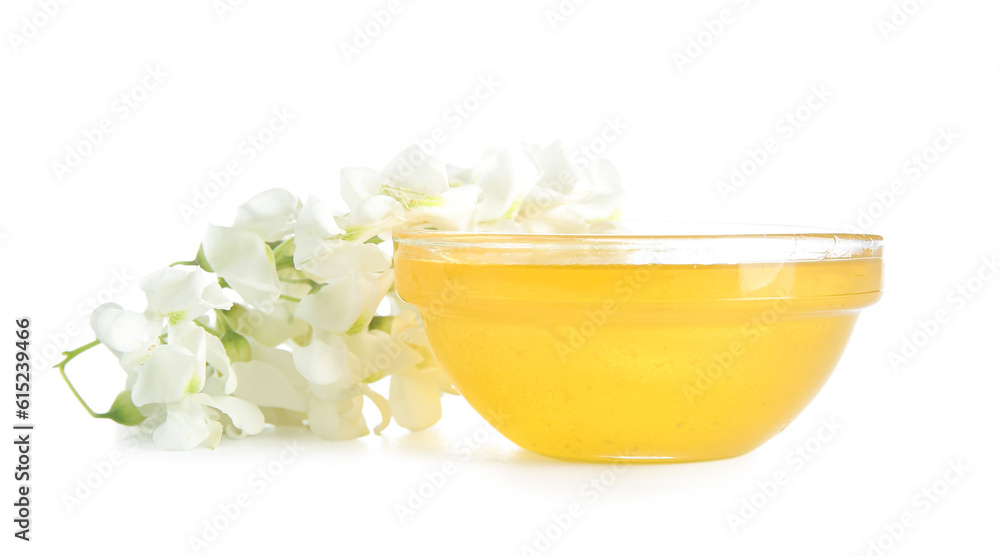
x,y
284,249
123,411
381,323
200,259
237,347
359,325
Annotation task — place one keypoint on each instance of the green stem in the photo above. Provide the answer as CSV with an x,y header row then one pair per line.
x,y
223,321
282,244
199,260
208,328
62,370
289,298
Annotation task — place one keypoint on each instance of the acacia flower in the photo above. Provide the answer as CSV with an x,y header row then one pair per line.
x,y
288,316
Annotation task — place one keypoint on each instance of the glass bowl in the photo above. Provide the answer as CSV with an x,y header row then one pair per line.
x,y
673,345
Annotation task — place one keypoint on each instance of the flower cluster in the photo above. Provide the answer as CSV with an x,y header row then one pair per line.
x,y
289,315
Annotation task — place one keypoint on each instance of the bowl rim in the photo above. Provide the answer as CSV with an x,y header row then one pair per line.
x,y
748,243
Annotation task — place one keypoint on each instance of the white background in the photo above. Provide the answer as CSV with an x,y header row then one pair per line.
x,y
65,237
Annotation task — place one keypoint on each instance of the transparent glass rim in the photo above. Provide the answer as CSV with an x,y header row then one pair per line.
x,y
663,242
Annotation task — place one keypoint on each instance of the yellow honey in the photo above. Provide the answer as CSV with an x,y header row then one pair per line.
x,y
674,362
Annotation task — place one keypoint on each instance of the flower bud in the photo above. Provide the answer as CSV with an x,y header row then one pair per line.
x,y
123,411
237,347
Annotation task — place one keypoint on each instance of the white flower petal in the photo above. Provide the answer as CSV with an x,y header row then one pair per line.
x,y
358,184
555,171
503,226
167,376
245,416
373,216
559,182
564,219
266,386
214,434
334,308
245,262
182,294
320,249
347,386
608,192
123,331
345,304
441,380
406,328
280,359
414,170
315,226
337,258
383,407
454,209
324,360
414,400
213,296
185,427
504,177
283,417
132,359
192,338
340,420
274,327
459,176
382,354
215,356
270,214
